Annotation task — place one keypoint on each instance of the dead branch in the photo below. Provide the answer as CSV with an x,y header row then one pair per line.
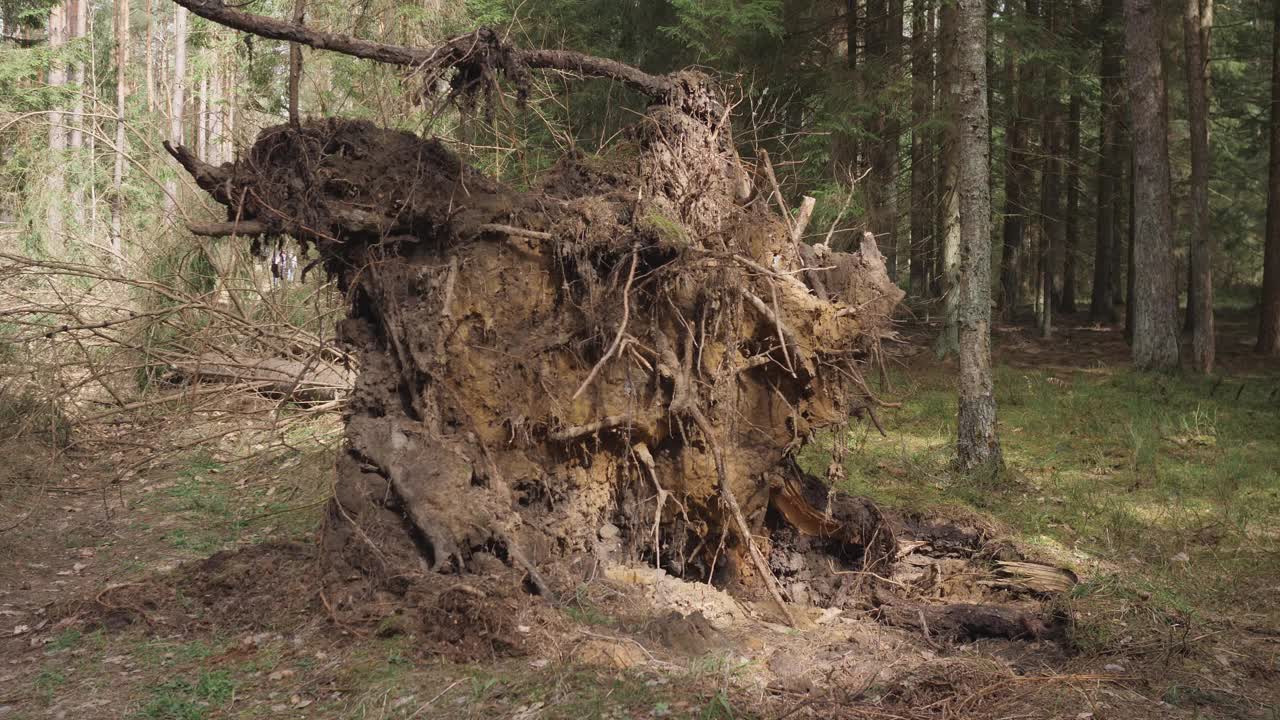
x,y
244,228
453,53
514,231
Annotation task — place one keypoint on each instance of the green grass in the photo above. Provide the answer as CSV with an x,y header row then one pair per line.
x,y
1170,482
47,683
185,698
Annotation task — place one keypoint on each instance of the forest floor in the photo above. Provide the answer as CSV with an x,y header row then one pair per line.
x,y
1161,493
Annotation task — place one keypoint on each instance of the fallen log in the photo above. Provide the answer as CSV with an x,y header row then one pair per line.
x,y
292,379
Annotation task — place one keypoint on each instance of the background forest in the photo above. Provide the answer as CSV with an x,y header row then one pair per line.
x,y
173,398
827,109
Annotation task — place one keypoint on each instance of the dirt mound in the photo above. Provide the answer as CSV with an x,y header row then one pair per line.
x,y
274,588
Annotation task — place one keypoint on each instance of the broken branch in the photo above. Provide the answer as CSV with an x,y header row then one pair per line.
x,y
452,53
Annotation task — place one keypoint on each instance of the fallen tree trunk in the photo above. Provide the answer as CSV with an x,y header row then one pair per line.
x,y
632,349
292,379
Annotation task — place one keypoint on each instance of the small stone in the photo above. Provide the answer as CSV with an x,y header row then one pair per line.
x,y
609,531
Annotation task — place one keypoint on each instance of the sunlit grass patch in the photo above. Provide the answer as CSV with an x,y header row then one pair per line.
x,y
1161,476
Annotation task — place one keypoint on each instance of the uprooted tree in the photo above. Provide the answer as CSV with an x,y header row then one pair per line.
x,y
642,346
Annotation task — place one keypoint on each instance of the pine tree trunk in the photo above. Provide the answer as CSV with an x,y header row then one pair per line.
x,y
977,445
948,340
884,50
1131,237
55,181
177,95
1103,298
921,162
79,10
1269,326
202,117
122,92
937,142
1122,210
1155,325
150,61
1197,22
1015,180
79,23
1051,235
1071,240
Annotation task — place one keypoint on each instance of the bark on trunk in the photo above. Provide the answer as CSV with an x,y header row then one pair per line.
x,y
1071,240
1269,326
948,340
1131,244
884,50
229,131
295,64
1103,298
1155,324
921,162
938,142
202,116
122,92
1051,221
177,94
977,445
150,58
1017,178
55,182
1197,23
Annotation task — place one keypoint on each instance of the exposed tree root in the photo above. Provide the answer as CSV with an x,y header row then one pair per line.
x,y
533,362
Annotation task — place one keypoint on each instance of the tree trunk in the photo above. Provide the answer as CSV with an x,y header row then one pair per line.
x,y
1102,298
948,340
202,116
150,61
937,141
55,181
122,92
177,96
78,24
1051,229
1155,325
1269,325
1016,178
1131,244
921,162
1197,23
977,445
884,50
295,65
1071,241
229,130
